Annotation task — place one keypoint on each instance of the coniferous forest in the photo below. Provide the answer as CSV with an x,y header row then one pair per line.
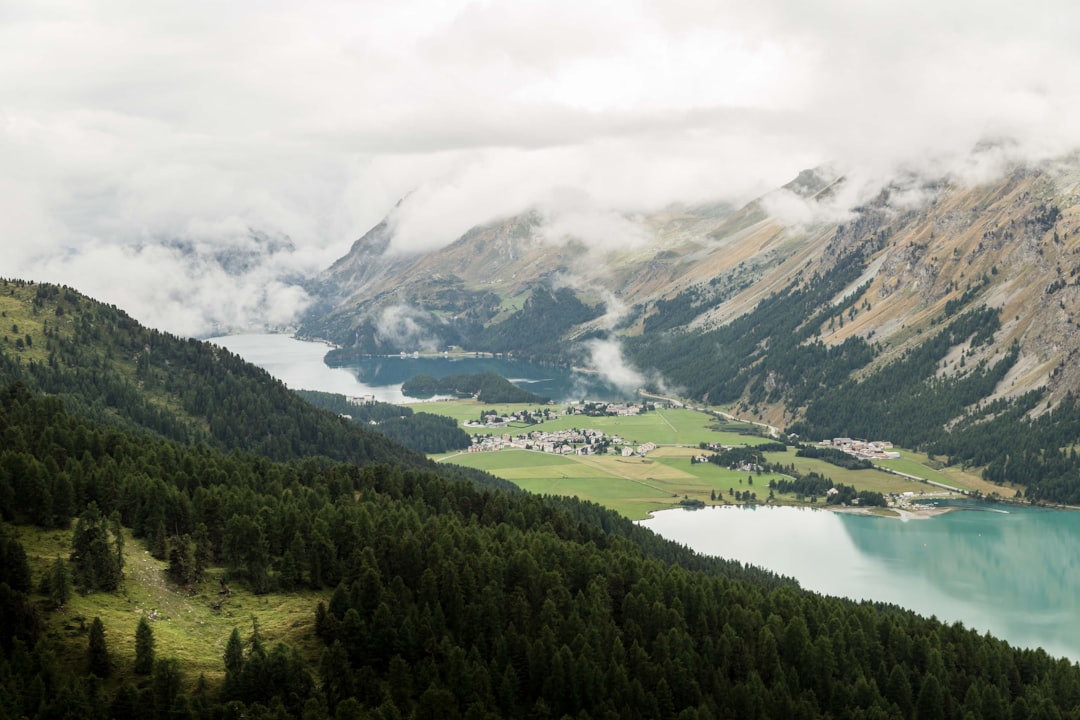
x,y
435,593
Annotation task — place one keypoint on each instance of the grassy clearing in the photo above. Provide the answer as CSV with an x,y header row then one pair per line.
x,y
676,426
19,320
185,625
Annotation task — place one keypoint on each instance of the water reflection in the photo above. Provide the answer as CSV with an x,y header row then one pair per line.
x,y
558,383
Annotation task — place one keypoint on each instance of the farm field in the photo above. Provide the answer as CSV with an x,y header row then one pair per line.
x,y
631,486
636,486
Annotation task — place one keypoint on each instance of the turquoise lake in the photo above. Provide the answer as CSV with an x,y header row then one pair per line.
x,y
1013,571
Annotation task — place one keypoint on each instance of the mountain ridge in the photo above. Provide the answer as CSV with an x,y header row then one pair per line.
x,y
927,242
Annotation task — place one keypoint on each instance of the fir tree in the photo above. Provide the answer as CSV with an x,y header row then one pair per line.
x,y
144,647
98,661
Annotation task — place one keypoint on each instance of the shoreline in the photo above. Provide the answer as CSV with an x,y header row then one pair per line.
x,y
902,514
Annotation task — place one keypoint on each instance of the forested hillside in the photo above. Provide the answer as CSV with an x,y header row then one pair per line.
x,y
448,601
420,431
440,598
107,367
487,387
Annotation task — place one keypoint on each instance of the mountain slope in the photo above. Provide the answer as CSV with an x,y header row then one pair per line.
x,y
1009,244
105,366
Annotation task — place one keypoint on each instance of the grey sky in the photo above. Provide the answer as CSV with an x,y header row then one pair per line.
x,y
124,124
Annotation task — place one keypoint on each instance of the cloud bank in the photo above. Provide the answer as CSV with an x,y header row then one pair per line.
x,y
131,129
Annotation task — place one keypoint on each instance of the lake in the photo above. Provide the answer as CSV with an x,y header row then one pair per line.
x,y
299,364
1010,570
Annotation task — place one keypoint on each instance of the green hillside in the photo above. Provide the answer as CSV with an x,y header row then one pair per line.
x,y
385,590
108,368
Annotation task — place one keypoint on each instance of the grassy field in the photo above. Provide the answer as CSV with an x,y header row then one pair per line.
x,y
185,625
637,486
919,464
676,426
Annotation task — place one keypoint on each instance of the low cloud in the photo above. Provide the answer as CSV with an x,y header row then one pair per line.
x,y
606,360
182,290
797,211
144,123
407,328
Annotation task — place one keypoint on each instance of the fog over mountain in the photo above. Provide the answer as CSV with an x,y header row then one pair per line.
x,y
191,163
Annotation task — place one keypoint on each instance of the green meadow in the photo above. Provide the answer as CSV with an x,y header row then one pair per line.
x,y
675,426
185,623
637,486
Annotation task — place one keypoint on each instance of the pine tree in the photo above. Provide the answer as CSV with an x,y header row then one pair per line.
x,y
97,566
204,551
15,570
144,647
160,547
59,583
98,661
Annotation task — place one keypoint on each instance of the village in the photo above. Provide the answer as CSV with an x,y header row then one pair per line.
x,y
867,450
585,441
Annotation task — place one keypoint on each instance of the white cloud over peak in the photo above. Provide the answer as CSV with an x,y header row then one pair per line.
x,y
126,124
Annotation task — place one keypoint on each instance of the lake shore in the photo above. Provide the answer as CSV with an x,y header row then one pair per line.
x,y
909,513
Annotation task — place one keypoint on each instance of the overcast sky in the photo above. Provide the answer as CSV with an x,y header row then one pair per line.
x,y
125,124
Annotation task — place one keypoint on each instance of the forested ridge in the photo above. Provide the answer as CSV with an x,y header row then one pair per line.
x,y
419,431
106,366
770,354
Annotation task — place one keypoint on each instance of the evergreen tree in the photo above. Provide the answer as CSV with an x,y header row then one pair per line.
x,y
160,546
204,551
931,702
59,582
98,661
15,570
181,560
144,647
234,665
97,566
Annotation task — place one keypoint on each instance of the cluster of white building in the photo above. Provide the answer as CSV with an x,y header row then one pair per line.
x,y
616,409
560,442
870,450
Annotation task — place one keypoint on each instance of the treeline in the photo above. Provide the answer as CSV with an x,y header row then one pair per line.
x,y
487,387
834,456
747,456
1013,447
452,600
419,431
815,485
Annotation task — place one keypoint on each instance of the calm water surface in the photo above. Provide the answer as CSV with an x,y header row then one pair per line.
x,y
300,365
1011,570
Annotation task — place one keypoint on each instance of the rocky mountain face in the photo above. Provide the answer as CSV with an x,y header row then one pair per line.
x,y
926,250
